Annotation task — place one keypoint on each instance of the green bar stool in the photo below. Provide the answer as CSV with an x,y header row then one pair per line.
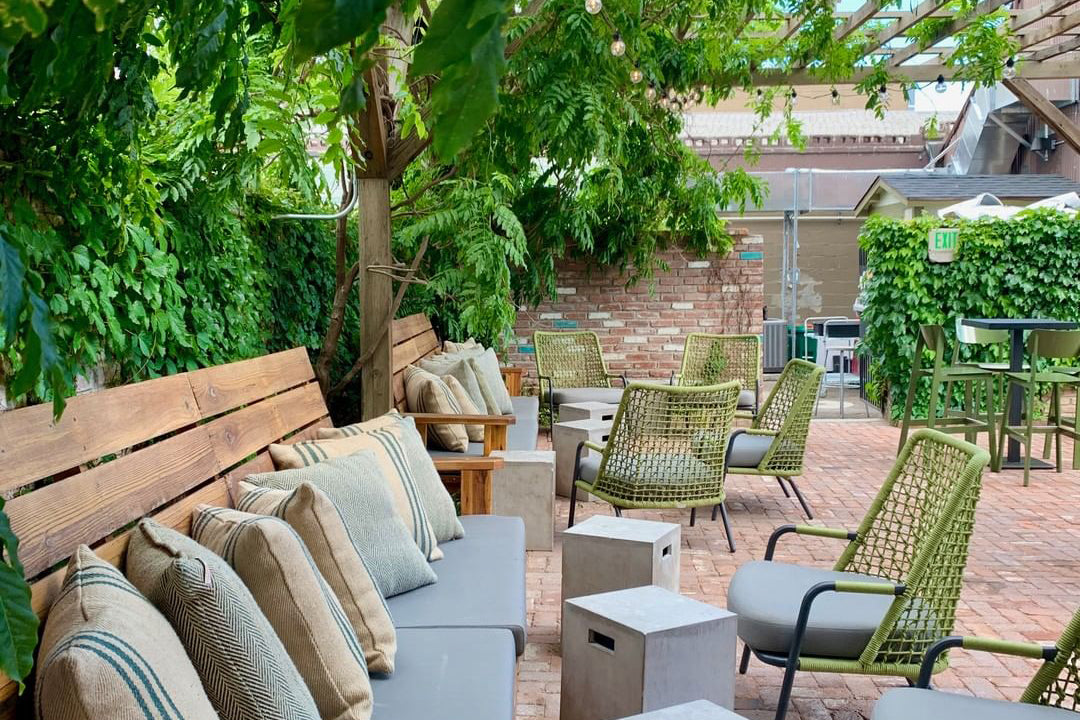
x,y
973,416
1051,344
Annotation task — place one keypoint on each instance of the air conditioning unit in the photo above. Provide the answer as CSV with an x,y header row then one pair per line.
x,y
774,345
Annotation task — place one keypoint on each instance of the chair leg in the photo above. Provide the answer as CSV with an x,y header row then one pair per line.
x,y
715,509
783,487
618,510
785,691
573,504
744,663
1055,404
693,516
1002,436
727,527
1051,419
1029,405
802,500
910,401
991,425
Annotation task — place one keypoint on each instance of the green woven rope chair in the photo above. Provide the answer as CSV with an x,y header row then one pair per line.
x,y
775,444
666,450
1052,694
893,591
714,359
572,365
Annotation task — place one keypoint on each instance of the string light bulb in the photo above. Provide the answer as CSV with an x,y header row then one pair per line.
x,y
1010,69
593,7
794,97
835,96
636,75
650,92
618,47
883,95
940,86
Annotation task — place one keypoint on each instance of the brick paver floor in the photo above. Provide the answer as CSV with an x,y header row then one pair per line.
x,y
1022,581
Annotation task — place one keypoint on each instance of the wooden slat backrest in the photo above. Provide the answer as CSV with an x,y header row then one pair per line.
x,y
156,448
413,340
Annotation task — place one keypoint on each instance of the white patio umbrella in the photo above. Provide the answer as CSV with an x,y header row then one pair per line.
x,y
982,205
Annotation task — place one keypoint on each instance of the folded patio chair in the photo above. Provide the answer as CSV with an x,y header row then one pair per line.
x,y
666,450
714,359
894,590
573,367
1052,694
775,444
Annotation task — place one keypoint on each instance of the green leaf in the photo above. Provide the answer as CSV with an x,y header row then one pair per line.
x,y
12,289
18,621
453,35
353,97
322,25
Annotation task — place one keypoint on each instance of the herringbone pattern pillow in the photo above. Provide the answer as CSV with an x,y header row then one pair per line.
x,y
317,520
274,564
244,668
439,505
354,485
100,631
427,393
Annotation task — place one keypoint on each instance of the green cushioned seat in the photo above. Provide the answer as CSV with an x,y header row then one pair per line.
x,y
766,597
919,704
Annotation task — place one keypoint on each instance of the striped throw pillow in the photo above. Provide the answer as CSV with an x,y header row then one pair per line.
x,y
246,671
108,653
318,522
437,501
353,483
277,568
426,393
394,472
475,432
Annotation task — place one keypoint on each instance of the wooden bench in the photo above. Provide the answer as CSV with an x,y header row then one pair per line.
x,y
156,448
413,340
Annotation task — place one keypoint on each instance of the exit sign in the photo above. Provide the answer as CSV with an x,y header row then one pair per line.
x,y
942,244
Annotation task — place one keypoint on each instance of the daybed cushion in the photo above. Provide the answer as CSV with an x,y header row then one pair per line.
x,y
519,436
563,396
746,450
449,674
766,597
909,703
481,583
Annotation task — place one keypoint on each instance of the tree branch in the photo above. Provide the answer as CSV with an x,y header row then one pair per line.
x,y
333,332
419,193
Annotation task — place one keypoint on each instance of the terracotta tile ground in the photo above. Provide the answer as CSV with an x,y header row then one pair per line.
x,y
1022,581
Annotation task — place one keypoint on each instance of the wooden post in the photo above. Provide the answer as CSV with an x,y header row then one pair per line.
x,y
376,291
1046,111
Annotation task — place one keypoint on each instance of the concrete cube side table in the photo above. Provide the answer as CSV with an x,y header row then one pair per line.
x,y
643,649
697,710
606,553
525,487
570,412
565,438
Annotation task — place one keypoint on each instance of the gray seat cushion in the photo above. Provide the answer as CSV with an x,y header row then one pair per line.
x,y
522,434
589,468
766,596
612,396
481,582
450,674
747,398
747,450
918,704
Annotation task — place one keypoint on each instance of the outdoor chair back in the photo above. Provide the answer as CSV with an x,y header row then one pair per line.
x,y
571,359
1057,681
968,335
786,413
1056,344
714,359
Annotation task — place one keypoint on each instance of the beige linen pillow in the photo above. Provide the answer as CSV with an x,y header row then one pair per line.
x,y
457,366
319,524
441,512
394,472
485,363
274,564
427,393
475,432
243,666
101,629
451,347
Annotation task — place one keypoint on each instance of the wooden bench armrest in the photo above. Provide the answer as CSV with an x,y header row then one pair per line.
x,y
467,462
494,426
512,379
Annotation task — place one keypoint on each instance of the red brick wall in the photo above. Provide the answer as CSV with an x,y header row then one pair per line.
x,y
642,332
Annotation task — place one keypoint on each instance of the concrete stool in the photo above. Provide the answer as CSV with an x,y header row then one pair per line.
x,y
565,438
570,412
697,710
607,553
525,487
643,649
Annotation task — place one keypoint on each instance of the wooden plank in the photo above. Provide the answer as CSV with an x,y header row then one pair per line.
x,y
1047,111
1050,70
494,438
476,492
856,20
251,429
924,10
455,418
226,387
982,9
408,327
52,521
376,290
259,464
512,379
1052,30
1030,16
466,462
93,425
1056,49
412,351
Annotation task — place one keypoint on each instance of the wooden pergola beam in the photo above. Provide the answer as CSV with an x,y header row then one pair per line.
x,y
925,9
1030,16
1056,49
1051,70
984,8
1057,27
1046,111
856,20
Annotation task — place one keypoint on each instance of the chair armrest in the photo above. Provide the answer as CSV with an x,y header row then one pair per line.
x,y
982,644
812,530
455,419
761,431
593,446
